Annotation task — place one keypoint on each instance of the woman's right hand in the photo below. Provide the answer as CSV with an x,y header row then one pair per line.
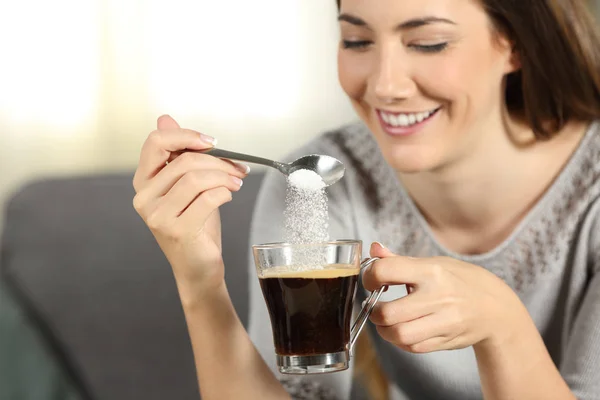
x,y
178,196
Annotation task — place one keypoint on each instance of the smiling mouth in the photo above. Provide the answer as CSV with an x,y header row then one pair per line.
x,y
406,120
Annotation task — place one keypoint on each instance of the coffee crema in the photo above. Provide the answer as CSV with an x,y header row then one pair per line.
x,y
310,310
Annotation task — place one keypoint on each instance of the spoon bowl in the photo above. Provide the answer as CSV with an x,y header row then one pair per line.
x,y
330,169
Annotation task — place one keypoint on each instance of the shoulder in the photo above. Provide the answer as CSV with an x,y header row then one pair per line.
x,y
577,190
569,216
594,235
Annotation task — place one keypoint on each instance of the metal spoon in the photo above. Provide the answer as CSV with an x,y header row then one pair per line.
x,y
330,169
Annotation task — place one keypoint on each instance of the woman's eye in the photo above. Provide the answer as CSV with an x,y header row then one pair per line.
x,y
355,44
431,48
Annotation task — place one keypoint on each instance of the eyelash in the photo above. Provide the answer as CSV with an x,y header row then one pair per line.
x,y
362,44
355,44
432,48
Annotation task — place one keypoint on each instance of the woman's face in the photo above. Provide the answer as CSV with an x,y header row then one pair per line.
x,y
426,76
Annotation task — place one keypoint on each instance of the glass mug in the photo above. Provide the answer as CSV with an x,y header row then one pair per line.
x,y
309,290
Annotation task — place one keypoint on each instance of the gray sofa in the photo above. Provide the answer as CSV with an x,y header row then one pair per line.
x,y
87,273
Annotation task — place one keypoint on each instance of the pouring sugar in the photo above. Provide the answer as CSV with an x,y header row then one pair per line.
x,y
306,214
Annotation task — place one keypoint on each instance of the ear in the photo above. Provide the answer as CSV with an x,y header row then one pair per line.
x,y
512,56
509,52
514,61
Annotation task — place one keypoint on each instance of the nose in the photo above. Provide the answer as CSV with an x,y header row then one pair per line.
x,y
391,80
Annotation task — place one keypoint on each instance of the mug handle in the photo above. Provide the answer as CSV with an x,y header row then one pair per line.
x,y
373,298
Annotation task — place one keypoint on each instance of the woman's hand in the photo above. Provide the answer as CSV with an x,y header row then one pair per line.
x,y
451,305
178,196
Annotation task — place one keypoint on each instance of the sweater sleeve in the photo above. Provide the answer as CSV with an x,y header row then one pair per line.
x,y
267,227
580,366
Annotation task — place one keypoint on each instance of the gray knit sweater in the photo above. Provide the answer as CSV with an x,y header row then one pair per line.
x,y
551,260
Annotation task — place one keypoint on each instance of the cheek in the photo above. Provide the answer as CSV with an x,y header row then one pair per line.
x,y
449,79
353,74
465,80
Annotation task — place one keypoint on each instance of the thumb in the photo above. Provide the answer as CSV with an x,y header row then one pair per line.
x,y
165,122
379,250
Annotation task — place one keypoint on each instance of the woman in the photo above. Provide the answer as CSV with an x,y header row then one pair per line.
x,y
476,163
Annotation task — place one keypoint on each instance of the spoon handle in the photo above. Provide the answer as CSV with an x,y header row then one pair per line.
x,y
220,153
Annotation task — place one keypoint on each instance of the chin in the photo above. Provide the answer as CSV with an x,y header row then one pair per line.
x,y
410,161
408,156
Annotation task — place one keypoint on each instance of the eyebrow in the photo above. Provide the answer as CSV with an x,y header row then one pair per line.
x,y
410,24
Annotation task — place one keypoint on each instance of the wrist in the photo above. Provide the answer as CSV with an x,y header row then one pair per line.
x,y
516,327
201,297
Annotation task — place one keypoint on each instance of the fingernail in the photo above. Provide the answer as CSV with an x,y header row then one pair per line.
x,y
380,244
208,139
237,181
363,303
242,167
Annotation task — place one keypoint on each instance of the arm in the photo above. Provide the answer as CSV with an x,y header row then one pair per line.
x,y
518,366
178,196
521,366
227,363
454,305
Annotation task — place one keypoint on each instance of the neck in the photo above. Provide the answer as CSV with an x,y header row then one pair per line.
x,y
473,203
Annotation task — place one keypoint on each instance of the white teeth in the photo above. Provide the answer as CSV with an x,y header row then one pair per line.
x,y
405,120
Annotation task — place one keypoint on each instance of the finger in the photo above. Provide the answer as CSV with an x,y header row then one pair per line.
x,y
395,270
239,165
192,185
204,205
157,149
410,333
429,345
165,122
379,250
172,173
405,309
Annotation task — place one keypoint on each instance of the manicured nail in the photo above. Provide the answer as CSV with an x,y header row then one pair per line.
x,y
237,181
381,244
208,139
242,167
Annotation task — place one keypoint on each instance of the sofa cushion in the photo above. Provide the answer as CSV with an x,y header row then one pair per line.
x,y
75,250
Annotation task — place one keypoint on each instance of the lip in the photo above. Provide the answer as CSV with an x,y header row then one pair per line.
x,y
405,130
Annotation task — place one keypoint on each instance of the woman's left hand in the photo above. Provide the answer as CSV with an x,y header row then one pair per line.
x,y
451,304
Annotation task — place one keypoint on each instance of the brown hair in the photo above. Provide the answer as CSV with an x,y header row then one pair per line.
x,y
558,45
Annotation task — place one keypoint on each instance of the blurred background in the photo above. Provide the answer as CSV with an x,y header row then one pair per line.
x,y
82,82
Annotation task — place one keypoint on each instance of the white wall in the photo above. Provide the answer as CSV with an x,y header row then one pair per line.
x,y
82,81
